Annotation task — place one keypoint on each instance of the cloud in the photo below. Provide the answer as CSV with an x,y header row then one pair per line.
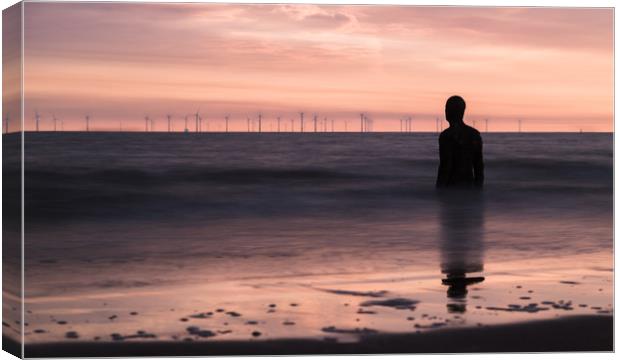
x,y
568,28
383,58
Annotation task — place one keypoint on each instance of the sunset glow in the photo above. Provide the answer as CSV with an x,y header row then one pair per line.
x,y
550,67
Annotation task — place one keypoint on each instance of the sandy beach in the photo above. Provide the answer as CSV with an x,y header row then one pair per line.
x,y
511,310
581,333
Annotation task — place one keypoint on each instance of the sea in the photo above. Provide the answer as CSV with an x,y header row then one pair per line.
x,y
218,236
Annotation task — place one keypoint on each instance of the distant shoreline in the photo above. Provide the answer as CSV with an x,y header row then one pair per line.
x,y
575,333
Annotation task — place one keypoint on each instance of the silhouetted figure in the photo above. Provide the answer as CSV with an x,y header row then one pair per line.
x,y
462,210
460,150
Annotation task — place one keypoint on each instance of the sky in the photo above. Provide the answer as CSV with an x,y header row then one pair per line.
x,y
551,68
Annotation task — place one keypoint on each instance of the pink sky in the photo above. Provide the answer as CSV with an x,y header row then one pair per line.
x,y
550,67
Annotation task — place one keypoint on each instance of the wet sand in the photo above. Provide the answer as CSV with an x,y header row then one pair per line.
x,y
576,333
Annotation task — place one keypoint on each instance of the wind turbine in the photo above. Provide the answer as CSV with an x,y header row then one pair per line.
x,y
226,119
278,124
146,123
407,123
486,125
366,124
362,122
54,119
37,118
87,122
186,129
248,124
260,122
197,114
169,124
332,120
301,115
314,122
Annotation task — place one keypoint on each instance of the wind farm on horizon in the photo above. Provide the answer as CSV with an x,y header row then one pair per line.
x,y
198,122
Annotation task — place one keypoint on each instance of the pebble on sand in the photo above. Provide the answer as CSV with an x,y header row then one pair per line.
x,y
288,323
396,303
204,315
430,326
39,331
530,308
335,330
195,330
71,335
133,313
362,311
256,333
140,334
61,322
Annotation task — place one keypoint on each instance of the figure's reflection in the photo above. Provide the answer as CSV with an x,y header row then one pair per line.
x,y
462,238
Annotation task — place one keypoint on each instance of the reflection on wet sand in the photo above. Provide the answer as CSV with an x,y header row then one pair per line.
x,y
461,243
